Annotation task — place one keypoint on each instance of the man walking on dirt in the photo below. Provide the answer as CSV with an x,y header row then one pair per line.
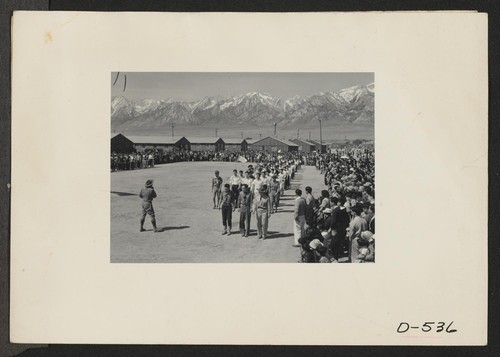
x,y
148,194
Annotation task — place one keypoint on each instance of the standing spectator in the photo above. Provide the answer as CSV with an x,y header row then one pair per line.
x,y
151,160
356,227
310,207
338,224
299,217
370,219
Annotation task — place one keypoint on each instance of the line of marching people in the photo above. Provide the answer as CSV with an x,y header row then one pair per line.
x,y
257,190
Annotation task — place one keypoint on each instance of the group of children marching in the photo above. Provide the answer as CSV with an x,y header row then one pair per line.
x,y
257,190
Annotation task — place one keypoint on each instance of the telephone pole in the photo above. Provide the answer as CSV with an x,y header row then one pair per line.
x,y
274,129
260,136
320,138
309,135
298,133
215,132
173,126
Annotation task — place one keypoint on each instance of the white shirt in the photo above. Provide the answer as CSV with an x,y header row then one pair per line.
x,y
234,180
256,184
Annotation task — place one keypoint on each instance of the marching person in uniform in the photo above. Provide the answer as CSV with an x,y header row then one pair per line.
x,y
235,182
262,208
216,188
247,179
274,190
256,185
244,205
226,207
148,194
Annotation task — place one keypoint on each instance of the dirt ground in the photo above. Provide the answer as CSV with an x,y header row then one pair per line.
x,y
191,227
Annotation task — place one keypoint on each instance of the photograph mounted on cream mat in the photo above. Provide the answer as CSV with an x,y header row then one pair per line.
x,y
162,163
218,163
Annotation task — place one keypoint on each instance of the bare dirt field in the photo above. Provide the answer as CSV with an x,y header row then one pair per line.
x,y
191,227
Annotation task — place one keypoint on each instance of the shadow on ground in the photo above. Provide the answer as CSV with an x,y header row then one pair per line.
x,y
163,229
273,235
124,193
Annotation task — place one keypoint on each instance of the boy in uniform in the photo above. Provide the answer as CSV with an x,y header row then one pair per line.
x,y
216,188
274,190
244,205
226,206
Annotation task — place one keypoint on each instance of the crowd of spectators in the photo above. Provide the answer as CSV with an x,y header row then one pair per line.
x,y
340,224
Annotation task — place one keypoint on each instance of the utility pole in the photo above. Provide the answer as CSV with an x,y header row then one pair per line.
x,y
215,132
309,135
298,133
274,129
260,136
173,126
320,138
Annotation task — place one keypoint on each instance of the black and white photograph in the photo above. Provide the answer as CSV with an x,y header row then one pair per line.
x,y
174,173
242,167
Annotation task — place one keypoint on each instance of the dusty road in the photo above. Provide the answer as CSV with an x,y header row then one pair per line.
x,y
191,227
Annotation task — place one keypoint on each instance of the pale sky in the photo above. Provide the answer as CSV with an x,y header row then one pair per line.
x,y
192,86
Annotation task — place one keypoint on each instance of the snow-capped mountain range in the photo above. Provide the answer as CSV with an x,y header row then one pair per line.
x,y
350,105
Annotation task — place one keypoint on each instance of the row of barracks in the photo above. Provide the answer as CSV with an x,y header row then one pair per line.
x,y
121,143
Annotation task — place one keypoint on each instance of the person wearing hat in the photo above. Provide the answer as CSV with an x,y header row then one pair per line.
x,y
148,194
227,209
262,208
244,204
274,190
216,188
